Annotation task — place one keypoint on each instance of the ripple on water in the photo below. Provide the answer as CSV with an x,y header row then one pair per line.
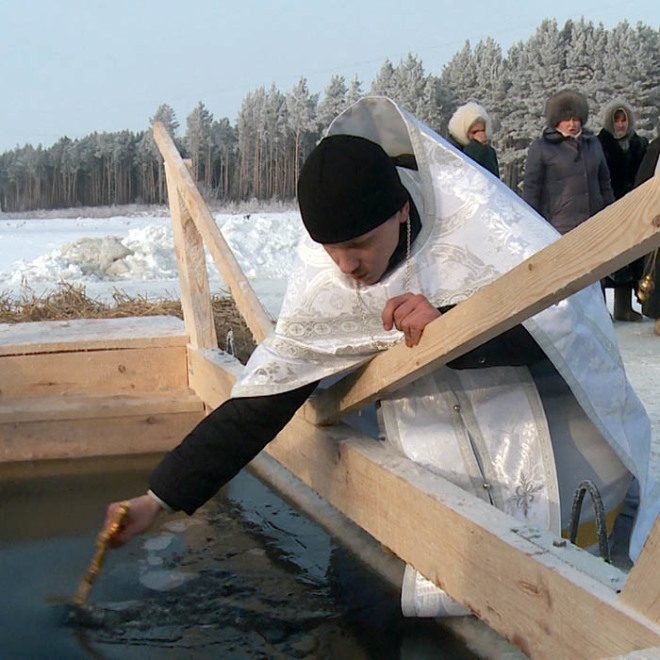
x,y
165,580
159,542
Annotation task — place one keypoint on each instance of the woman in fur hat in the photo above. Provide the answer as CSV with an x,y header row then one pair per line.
x,y
624,151
469,131
566,176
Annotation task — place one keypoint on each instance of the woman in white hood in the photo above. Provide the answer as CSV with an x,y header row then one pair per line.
x,y
470,130
624,151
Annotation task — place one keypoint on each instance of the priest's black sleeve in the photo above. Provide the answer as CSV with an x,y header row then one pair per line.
x,y
221,445
513,348
233,434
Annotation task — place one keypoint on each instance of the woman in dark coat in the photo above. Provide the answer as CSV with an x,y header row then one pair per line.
x,y
469,130
624,150
651,167
566,175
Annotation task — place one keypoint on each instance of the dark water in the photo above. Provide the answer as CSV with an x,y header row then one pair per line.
x,y
247,577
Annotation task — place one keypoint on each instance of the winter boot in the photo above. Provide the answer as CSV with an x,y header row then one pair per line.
x,y
623,310
657,327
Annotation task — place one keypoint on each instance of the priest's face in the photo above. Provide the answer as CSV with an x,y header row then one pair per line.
x,y
367,257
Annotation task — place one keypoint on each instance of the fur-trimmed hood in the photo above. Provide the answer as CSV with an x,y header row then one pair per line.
x,y
565,104
611,109
461,122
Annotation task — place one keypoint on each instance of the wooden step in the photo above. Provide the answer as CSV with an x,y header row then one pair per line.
x,y
105,371
38,428
94,406
91,334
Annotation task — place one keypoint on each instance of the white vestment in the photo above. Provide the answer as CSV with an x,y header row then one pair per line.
x,y
484,429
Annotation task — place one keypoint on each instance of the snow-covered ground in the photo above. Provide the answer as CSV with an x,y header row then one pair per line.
x,y
135,254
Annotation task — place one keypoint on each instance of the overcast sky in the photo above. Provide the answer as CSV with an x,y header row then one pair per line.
x,y
74,67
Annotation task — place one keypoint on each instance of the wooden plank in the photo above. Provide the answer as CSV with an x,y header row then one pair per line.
x,y
248,304
59,408
614,237
211,374
91,334
118,371
531,587
642,588
130,434
193,277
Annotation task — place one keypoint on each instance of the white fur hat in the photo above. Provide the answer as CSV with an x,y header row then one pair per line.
x,y
461,121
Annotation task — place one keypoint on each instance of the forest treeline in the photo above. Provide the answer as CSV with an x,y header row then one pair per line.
x,y
259,155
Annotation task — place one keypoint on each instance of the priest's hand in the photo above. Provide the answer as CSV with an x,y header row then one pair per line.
x,y
141,514
410,313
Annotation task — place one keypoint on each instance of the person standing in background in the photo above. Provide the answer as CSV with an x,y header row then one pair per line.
x,y
566,175
624,151
650,167
469,131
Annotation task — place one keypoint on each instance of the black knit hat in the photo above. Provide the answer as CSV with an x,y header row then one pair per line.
x,y
347,187
565,104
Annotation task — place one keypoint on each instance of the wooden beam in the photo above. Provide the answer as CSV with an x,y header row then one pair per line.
x,y
91,334
211,374
614,237
248,304
193,277
642,588
533,588
117,371
119,434
94,406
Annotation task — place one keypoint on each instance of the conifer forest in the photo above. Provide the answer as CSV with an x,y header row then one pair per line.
x,y
258,156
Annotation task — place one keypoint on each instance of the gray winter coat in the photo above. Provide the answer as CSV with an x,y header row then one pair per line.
x,y
566,178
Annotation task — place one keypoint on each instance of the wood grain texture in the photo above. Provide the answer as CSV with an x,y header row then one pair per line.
x,y
193,277
123,370
642,589
96,406
118,434
248,304
91,334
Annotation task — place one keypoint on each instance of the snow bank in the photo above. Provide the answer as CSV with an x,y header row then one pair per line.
x,y
136,254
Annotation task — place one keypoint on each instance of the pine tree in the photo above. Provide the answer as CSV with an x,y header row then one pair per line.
x,y
355,91
223,137
384,84
301,106
333,102
199,143
459,75
249,125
